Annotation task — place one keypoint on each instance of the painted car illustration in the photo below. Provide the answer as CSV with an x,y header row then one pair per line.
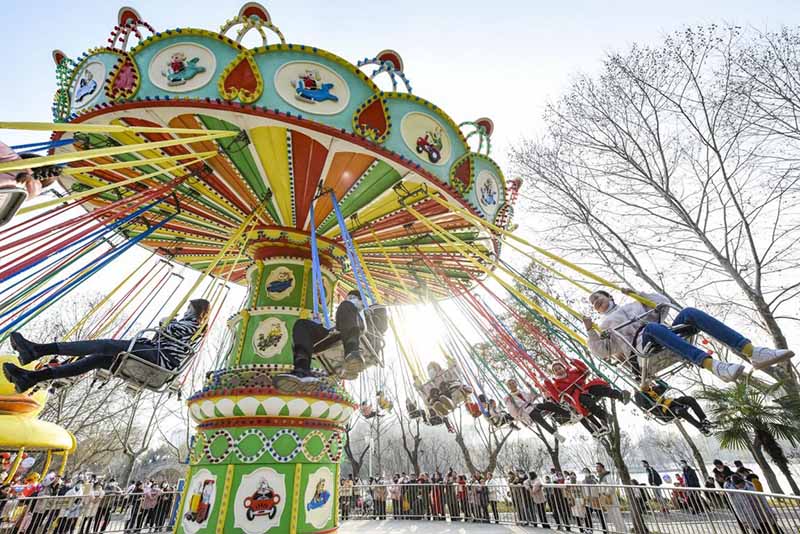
x,y
282,283
200,502
263,502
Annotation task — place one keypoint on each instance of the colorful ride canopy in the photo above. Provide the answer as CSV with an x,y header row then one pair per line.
x,y
308,122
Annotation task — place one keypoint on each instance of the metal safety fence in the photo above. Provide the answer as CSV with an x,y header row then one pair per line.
x,y
580,508
90,514
571,507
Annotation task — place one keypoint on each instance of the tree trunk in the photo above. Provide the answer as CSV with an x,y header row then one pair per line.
x,y
613,446
552,450
769,474
775,451
465,452
698,458
355,463
127,471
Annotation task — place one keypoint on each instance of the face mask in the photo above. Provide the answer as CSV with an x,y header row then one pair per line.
x,y
357,301
611,306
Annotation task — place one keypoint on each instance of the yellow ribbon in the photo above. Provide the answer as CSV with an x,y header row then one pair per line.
x,y
544,252
99,128
109,187
78,155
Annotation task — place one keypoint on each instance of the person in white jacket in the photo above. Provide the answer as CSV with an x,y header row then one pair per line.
x,y
523,406
645,324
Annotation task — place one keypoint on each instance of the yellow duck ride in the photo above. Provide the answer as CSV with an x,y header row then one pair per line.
x,y
23,433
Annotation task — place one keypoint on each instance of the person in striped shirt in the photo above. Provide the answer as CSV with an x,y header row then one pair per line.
x,y
167,349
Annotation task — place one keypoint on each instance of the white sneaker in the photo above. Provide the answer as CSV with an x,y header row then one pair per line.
x,y
764,357
727,372
559,437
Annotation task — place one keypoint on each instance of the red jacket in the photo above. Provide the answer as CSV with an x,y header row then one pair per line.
x,y
571,386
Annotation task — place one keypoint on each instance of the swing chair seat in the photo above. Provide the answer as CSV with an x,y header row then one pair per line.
x,y
653,359
140,374
330,350
435,420
11,198
445,384
416,414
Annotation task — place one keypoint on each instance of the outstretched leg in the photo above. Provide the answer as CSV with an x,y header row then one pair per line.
x,y
663,336
605,390
589,401
681,406
106,351
349,325
760,357
537,416
305,334
30,351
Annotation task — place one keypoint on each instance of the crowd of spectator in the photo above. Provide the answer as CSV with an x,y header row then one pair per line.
x,y
84,504
587,501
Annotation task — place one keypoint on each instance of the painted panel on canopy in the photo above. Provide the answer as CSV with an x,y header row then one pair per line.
x,y
243,198
308,160
98,97
269,143
270,60
223,55
345,170
488,192
378,180
399,108
243,160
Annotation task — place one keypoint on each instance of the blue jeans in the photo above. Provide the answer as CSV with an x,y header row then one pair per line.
x,y
701,321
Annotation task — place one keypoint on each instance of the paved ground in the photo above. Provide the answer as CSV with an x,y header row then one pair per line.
x,y
424,527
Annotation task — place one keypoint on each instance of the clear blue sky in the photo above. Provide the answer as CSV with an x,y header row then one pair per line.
x,y
502,59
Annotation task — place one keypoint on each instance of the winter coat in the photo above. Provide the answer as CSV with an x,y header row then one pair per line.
x,y
519,405
690,476
610,344
571,386
653,478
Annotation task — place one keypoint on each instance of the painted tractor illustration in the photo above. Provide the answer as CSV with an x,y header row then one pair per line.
x,y
263,502
271,339
200,502
431,144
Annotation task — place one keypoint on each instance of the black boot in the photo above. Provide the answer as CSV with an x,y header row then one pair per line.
x,y
353,360
27,350
300,379
22,379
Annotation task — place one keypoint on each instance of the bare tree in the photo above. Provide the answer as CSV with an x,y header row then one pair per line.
x,y
489,447
659,169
